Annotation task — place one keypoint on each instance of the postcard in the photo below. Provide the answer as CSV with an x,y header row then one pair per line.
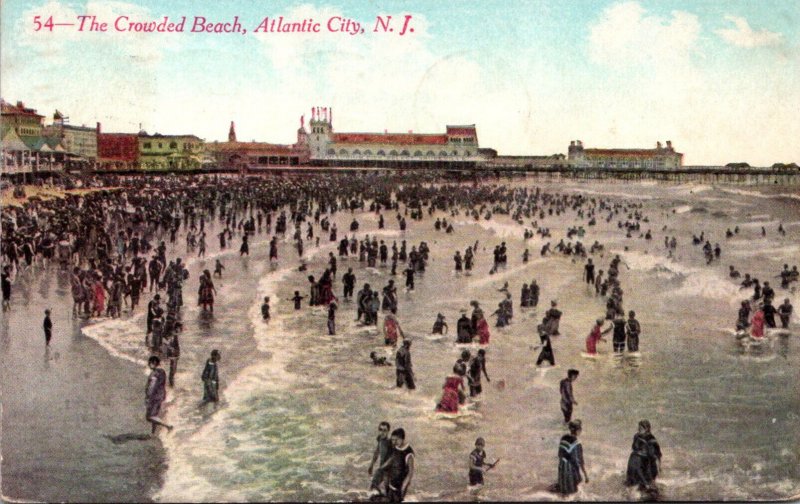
x,y
415,251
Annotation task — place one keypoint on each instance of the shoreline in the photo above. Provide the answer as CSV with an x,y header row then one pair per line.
x,y
146,464
90,398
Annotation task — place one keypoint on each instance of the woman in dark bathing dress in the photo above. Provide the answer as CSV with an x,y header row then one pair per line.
x,y
644,460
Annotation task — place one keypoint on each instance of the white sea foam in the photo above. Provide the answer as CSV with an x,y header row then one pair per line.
x,y
659,264
707,284
122,338
607,194
784,253
756,194
501,229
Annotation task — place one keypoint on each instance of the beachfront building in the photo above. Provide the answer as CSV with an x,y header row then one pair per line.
x,y
24,146
457,147
169,152
255,156
80,141
117,151
660,158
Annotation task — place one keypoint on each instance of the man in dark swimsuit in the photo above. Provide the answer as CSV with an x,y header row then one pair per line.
x,y
633,329
567,399
400,466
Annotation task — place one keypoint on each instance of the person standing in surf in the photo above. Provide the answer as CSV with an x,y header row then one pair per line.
x,y
632,330
155,393
400,466
332,307
743,320
477,366
645,458
567,399
757,325
546,353
595,336
570,461
440,326
477,463
381,454
618,339
245,247
785,313
391,330
210,378
588,272
405,373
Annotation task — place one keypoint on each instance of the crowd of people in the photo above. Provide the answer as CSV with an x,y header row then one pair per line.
x,y
113,242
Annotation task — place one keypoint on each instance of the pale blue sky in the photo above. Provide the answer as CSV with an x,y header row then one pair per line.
x,y
719,79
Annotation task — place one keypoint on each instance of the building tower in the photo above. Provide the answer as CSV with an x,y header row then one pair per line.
x,y
321,132
302,135
232,133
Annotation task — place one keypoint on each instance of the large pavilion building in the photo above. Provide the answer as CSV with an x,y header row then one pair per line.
x,y
660,158
457,147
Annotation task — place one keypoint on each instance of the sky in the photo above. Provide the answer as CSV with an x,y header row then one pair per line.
x,y
721,80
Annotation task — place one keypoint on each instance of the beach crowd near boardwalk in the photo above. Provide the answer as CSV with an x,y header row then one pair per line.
x,y
121,243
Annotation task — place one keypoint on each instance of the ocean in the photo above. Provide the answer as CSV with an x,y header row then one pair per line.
x,y
299,409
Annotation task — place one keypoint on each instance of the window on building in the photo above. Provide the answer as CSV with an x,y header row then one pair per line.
x,y
430,153
148,145
418,153
405,153
442,153
367,152
160,145
173,145
393,153
381,152
342,152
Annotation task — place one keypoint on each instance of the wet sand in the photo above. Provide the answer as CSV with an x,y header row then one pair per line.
x,y
59,404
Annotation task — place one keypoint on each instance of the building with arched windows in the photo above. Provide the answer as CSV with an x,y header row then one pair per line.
x,y
254,156
457,147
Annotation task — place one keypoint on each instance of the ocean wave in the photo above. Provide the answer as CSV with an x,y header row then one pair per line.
x,y
756,194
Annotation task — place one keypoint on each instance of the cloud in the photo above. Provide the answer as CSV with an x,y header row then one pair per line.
x,y
378,81
744,36
626,35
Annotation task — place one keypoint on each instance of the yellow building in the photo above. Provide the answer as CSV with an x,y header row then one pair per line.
x,y
170,152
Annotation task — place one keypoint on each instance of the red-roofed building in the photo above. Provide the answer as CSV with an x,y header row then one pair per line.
x,y
660,158
24,144
253,156
457,147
